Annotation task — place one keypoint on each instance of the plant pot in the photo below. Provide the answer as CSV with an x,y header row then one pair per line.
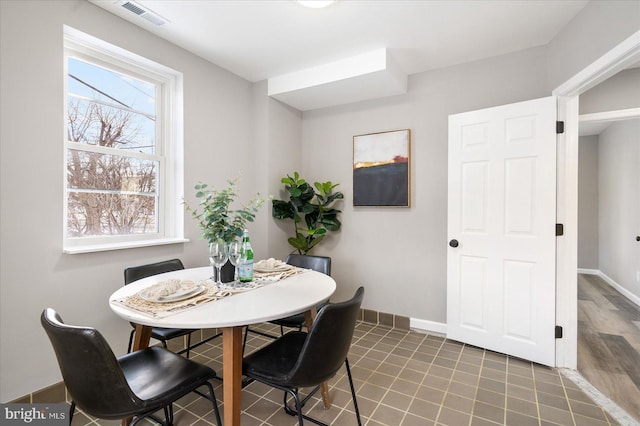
x,y
227,272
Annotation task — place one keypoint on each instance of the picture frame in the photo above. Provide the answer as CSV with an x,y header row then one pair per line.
x,y
382,169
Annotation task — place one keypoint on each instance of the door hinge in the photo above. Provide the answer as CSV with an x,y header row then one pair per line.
x,y
559,229
558,332
559,127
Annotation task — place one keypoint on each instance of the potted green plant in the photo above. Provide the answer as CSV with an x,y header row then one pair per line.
x,y
218,220
311,208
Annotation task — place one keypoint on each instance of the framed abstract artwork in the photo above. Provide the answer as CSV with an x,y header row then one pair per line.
x,y
381,169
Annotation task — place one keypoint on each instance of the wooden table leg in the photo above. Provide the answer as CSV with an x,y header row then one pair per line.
x,y
309,316
140,341
142,337
232,374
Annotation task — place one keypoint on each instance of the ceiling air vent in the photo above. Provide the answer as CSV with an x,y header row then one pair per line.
x,y
142,12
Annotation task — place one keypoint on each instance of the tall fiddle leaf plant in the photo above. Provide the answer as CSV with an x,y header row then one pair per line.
x,y
311,208
217,220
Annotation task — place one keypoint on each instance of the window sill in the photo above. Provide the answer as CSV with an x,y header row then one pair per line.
x,y
91,248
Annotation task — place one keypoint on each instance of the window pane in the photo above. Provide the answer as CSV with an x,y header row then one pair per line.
x,y
106,85
110,194
96,214
110,109
95,124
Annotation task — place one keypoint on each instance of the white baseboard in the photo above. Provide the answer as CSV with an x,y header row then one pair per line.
x,y
426,326
441,328
626,293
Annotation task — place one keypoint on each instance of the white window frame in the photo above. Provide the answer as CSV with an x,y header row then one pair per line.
x,y
169,143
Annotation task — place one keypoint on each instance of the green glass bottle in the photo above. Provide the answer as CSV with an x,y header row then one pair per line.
x,y
245,272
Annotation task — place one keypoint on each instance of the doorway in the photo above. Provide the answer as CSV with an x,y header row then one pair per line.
x,y
609,215
619,58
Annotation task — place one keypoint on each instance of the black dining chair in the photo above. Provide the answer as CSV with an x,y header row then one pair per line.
x,y
317,263
134,385
135,273
307,359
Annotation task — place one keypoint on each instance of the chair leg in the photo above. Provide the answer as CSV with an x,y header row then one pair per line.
x,y
215,404
188,344
72,410
299,405
302,402
168,414
353,391
131,340
244,341
197,345
287,410
212,398
296,398
260,333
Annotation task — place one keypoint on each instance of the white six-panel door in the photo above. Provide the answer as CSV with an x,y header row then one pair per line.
x,y
502,209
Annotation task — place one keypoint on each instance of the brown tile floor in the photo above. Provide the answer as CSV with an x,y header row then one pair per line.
x,y
413,379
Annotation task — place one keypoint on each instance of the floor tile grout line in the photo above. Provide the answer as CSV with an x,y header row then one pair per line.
x,y
426,373
564,391
413,398
477,388
405,366
381,361
535,393
450,379
600,400
478,385
507,394
446,392
506,390
475,396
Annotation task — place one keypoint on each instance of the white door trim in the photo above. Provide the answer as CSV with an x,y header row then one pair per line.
x,y
606,116
614,61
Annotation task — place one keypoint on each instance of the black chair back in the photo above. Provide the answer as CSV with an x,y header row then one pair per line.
x,y
135,273
317,263
327,343
90,370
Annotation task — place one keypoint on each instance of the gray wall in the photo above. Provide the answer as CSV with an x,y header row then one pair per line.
x,y
619,203
399,254
277,135
34,274
280,133
588,203
598,27
621,91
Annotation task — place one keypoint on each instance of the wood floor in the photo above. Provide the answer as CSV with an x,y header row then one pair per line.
x,y
609,342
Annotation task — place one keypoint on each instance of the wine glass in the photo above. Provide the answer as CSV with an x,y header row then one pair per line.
x,y
218,255
235,250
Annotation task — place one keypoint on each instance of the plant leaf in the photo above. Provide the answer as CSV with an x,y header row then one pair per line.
x,y
318,217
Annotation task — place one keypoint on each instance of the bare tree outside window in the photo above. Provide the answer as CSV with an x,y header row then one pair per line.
x,y
112,169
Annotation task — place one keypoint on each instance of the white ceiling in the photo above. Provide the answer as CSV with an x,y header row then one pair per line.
x,y
258,40
590,129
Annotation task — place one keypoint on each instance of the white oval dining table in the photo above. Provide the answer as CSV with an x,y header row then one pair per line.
x,y
298,293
